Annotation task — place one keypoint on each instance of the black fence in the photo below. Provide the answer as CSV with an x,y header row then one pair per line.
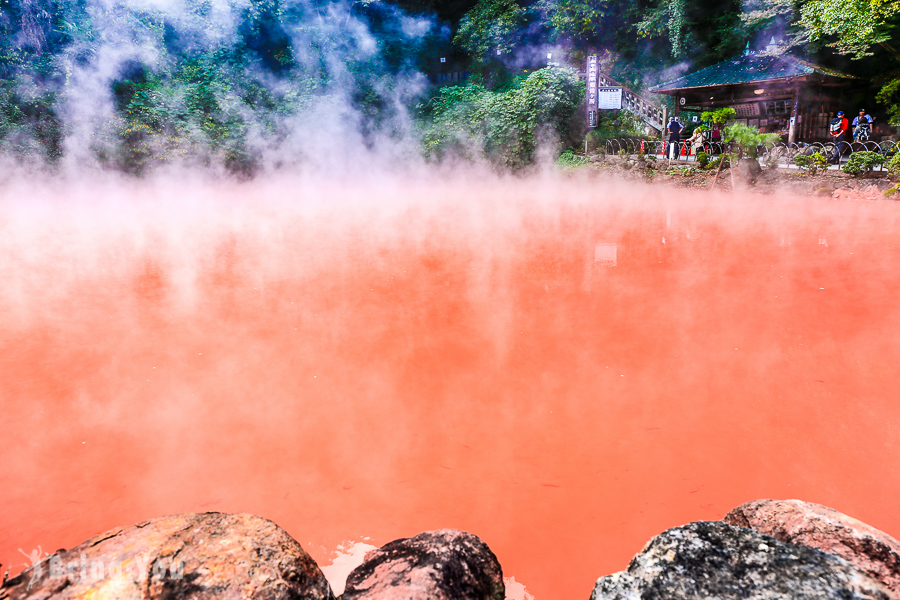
x,y
781,153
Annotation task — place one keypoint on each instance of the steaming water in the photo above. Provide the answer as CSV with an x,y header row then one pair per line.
x,y
564,368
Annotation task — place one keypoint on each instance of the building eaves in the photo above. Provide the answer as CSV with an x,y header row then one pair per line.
x,y
749,68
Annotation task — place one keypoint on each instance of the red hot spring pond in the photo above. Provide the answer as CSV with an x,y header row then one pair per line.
x,y
562,367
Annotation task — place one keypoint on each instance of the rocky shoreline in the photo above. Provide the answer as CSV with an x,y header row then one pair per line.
x,y
765,550
756,179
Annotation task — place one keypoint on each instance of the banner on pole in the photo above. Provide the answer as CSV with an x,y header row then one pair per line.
x,y
591,95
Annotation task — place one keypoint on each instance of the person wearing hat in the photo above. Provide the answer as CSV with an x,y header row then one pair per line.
x,y
863,125
674,128
838,131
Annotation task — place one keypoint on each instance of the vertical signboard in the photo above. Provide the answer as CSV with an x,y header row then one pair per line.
x,y
591,90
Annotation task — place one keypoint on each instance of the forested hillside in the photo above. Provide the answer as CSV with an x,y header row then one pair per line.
x,y
256,84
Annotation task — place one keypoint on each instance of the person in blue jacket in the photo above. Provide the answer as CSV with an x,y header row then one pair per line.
x,y
863,126
674,128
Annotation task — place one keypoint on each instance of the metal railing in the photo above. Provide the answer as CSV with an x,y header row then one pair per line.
x,y
650,112
780,153
658,147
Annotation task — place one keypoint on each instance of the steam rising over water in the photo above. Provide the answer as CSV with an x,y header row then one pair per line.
x,y
563,367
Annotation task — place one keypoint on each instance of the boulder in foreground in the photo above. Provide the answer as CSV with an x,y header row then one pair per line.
x,y
715,560
188,557
815,526
436,565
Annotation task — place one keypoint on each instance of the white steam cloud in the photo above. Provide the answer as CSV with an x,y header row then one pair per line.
x,y
293,83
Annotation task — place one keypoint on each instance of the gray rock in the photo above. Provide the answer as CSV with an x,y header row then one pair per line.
x,y
436,565
706,560
195,556
806,524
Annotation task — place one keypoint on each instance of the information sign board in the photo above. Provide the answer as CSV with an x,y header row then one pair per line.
x,y
609,98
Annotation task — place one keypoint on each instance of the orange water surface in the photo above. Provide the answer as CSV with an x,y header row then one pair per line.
x,y
564,368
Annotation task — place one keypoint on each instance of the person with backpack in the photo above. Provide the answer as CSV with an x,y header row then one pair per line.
x,y
863,126
674,128
838,130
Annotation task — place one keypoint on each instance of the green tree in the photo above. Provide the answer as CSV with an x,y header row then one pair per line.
x,y
570,19
854,28
665,18
505,127
850,26
702,31
719,116
775,15
491,28
747,139
889,95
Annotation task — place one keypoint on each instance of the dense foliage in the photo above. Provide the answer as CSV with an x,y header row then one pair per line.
x,y
893,167
505,127
491,28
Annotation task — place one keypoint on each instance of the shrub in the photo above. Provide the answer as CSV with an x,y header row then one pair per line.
x,y
570,160
714,163
893,166
703,159
861,163
811,162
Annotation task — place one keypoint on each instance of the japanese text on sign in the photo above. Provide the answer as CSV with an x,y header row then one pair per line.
x,y
609,98
592,82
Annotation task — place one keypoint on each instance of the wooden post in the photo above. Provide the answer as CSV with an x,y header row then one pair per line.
x,y
664,134
719,170
739,154
792,131
677,112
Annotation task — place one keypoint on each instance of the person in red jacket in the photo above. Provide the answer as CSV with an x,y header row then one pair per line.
x,y
838,130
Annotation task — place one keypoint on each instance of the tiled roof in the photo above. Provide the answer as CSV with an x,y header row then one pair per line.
x,y
747,68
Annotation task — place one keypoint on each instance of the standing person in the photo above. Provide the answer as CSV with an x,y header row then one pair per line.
x,y
863,126
838,131
674,128
715,135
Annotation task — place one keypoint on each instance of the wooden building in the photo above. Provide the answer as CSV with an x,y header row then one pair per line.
x,y
777,93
